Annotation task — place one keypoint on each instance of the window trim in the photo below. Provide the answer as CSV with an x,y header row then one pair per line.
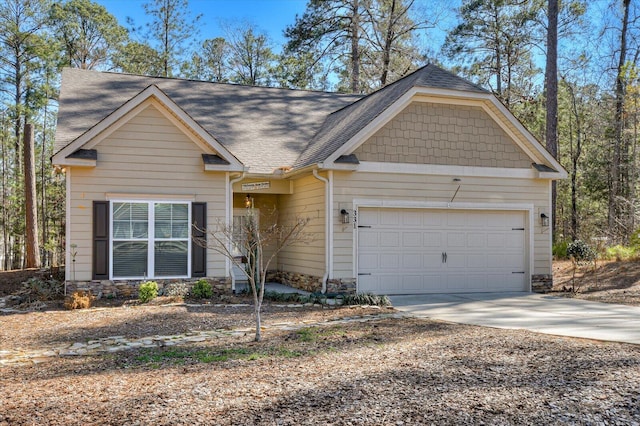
x,y
151,238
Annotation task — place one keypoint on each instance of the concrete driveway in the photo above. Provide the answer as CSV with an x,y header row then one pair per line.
x,y
529,311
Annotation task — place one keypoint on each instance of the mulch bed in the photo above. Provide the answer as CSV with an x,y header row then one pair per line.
x,y
386,371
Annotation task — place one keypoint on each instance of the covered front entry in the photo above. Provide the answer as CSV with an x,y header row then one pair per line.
x,y
415,251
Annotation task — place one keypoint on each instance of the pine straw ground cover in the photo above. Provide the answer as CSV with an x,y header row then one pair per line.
x,y
384,371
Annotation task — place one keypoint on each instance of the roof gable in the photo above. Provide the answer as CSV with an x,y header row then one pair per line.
x,y
264,128
345,130
151,95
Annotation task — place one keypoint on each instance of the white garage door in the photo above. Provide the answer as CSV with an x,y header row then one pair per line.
x,y
413,251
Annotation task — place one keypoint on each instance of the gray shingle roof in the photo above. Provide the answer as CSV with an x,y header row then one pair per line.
x,y
265,128
342,125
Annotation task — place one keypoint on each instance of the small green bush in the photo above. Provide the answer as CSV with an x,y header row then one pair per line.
x,y
202,289
634,240
148,291
581,251
620,253
559,250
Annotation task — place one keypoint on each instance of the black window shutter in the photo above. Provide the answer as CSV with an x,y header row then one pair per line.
x,y
100,240
198,227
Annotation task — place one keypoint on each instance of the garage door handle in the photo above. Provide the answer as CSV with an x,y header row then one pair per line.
x,y
518,272
364,273
444,257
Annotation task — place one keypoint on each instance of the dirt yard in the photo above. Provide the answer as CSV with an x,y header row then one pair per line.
x,y
609,282
381,371
312,369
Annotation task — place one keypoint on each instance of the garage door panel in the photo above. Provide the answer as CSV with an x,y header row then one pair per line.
x,y
389,239
403,251
368,240
432,239
456,239
389,217
412,261
476,239
412,218
412,239
431,261
389,261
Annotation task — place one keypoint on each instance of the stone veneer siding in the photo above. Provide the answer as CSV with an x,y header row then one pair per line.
x,y
311,283
126,289
429,133
541,283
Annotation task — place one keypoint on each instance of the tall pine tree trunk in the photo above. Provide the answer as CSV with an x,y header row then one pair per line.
x,y
551,86
615,187
355,48
31,207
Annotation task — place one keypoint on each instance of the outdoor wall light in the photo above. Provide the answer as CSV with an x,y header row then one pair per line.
x,y
248,202
544,219
345,216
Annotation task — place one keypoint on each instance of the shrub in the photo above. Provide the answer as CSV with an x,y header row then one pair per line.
x,y
559,250
202,289
366,299
176,290
580,251
275,296
148,291
42,289
79,300
620,253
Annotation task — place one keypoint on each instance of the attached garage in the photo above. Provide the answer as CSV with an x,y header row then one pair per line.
x,y
416,251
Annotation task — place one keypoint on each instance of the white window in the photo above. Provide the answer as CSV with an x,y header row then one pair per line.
x,y
150,239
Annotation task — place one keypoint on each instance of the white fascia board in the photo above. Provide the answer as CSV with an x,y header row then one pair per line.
x,y
222,168
562,174
177,116
74,162
339,166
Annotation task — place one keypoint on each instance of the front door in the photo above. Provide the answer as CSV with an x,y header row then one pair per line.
x,y
240,221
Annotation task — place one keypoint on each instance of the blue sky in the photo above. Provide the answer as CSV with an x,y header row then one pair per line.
x,y
272,16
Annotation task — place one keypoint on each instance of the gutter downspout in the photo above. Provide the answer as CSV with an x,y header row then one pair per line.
x,y
328,224
230,223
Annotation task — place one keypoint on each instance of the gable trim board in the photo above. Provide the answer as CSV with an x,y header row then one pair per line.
x,y
151,96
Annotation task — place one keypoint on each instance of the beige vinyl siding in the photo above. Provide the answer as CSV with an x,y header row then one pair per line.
x,y
424,188
307,201
146,156
431,133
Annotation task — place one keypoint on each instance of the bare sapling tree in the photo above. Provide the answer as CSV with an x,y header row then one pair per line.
x,y
259,247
